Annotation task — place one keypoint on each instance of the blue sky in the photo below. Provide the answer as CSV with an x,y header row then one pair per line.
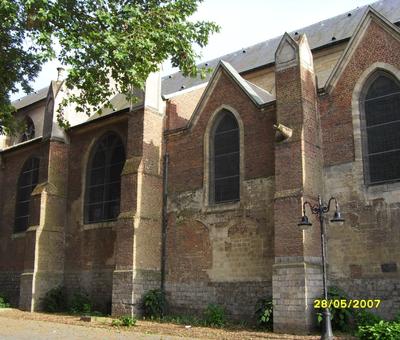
x,y
245,23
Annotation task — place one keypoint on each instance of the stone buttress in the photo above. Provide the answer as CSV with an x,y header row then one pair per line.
x,y
297,279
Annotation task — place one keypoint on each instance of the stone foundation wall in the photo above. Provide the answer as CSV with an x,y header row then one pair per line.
x,y
9,286
96,283
385,289
238,298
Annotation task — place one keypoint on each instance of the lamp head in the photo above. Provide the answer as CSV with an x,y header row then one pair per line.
x,y
337,218
304,223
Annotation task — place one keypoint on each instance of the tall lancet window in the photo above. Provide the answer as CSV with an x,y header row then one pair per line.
x,y
103,181
381,125
225,159
27,181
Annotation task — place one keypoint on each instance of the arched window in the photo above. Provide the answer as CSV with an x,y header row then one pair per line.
x,y
29,132
27,181
381,126
103,181
225,159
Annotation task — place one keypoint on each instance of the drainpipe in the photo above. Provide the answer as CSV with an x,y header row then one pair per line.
x,y
164,223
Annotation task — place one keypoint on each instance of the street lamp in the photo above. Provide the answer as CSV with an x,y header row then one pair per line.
x,y
320,209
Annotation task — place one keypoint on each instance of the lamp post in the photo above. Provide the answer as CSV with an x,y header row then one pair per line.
x,y
320,209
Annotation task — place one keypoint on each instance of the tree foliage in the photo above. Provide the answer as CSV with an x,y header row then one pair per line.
x,y
109,46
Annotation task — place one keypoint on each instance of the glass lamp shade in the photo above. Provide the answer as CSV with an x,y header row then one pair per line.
x,y
337,218
304,223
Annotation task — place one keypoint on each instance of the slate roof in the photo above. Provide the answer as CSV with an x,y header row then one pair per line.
x,y
31,98
321,34
119,103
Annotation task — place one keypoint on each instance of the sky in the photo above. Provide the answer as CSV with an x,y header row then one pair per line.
x,y
244,23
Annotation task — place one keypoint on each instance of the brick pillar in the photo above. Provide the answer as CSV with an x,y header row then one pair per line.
x,y
138,242
298,162
44,250
122,291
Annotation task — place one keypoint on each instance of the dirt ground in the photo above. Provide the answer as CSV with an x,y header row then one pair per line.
x,y
15,324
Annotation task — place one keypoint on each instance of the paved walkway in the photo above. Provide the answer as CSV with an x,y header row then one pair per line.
x,y
14,329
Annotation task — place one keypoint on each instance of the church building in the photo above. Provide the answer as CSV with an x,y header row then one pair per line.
x,y
199,187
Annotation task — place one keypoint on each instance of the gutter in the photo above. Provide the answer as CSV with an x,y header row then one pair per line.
x,y
22,145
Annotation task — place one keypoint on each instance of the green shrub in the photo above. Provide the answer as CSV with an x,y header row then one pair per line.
x,y
264,313
3,302
383,330
55,300
341,318
214,316
80,304
364,318
124,321
153,303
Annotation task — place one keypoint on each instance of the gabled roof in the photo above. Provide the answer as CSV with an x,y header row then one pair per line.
x,y
257,95
319,35
120,103
369,15
31,98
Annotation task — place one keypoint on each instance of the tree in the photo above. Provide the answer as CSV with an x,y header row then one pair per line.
x,y
110,46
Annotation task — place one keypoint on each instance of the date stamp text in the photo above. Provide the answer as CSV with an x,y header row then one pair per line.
x,y
344,303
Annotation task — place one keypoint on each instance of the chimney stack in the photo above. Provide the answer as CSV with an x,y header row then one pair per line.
x,y
60,73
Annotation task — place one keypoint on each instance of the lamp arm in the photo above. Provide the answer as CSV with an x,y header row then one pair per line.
x,y
329,204
309,205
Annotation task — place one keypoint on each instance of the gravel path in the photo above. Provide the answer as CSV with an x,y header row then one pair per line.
x,y
14,329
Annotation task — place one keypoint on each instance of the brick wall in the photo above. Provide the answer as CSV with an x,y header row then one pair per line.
x,y
363,254
89,249
16,251
220,254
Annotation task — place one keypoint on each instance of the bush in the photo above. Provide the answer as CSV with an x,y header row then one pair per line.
x,y
214,316
55,300
264,313
3,302
124,321
364,318
341,317
383,330
153,303
80,304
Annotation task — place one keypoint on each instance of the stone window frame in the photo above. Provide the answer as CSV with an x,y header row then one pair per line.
x,y
389,190
86,162
208,205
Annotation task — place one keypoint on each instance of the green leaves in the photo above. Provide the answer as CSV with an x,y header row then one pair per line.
x,y
383,330
264,313
154,303
109,46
